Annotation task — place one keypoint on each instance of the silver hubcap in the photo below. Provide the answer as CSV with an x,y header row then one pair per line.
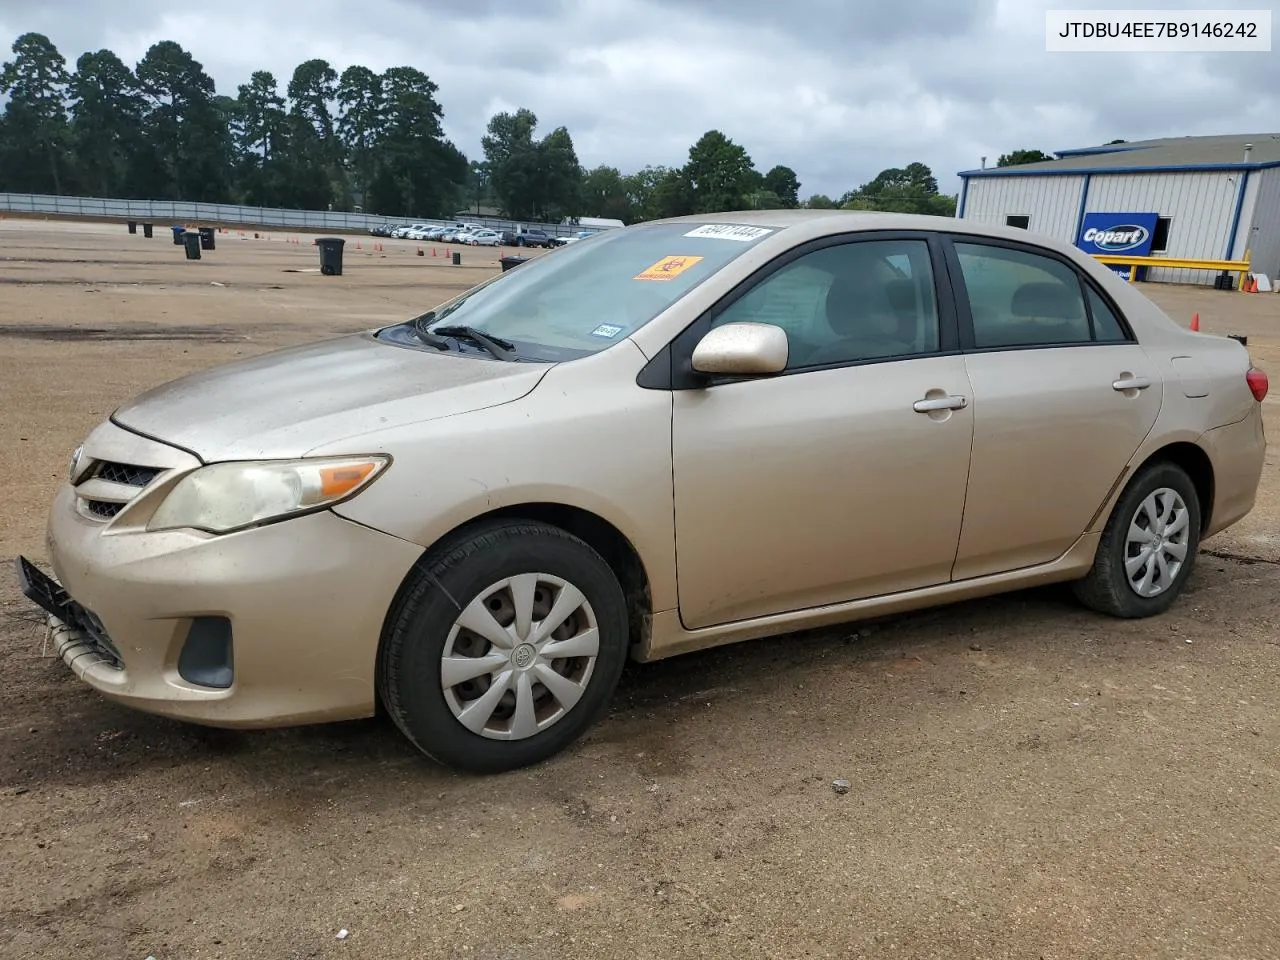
x,y
1156,545
519,656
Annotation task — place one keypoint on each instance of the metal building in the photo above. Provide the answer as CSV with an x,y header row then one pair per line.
x,y
1207,198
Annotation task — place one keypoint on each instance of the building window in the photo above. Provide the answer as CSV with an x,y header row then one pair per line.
x,y
1017,220
1160,239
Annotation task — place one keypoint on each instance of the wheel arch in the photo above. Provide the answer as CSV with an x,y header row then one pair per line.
x,y
1191,458
598,533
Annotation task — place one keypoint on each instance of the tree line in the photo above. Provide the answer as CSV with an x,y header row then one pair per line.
x,y
358,139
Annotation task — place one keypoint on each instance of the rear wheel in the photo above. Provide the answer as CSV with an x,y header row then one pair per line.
x,y
1148,548
506,648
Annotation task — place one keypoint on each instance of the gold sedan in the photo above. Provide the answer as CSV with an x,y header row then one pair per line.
x,y
674,435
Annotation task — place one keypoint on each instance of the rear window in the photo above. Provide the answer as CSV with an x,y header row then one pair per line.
x,y
585,297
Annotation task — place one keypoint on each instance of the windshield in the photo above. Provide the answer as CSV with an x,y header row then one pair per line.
x,y
586,296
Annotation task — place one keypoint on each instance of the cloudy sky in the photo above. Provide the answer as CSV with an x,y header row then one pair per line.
x,y
836,89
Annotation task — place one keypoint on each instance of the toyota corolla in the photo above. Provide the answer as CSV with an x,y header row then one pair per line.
x,y
681,434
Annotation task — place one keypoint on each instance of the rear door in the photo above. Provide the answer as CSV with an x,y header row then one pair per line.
x,y
1063,398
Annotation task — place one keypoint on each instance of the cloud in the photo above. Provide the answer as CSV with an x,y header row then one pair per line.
x,y
835,89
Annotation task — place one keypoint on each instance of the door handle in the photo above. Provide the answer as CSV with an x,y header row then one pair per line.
x,y
941,403
1131,383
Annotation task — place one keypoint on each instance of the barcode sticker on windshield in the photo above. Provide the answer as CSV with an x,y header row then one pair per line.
x,y
729,231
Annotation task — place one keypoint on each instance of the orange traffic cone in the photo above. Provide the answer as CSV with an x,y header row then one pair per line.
x,y
1195,321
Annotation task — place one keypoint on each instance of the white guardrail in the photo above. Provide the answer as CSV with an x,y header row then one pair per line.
x,y
164,213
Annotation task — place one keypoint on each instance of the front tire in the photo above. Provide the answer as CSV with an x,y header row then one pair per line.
x,y
505,648
1148,547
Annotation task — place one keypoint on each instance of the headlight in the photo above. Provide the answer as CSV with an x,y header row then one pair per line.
x,y
227,496
75,462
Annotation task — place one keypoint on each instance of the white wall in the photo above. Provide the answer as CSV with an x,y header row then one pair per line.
x,y
1200,206
1051,202
1264,226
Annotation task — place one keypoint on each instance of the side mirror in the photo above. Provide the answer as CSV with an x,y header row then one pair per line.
x,y
742,349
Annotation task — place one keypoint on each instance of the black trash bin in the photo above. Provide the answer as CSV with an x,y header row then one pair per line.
x,y
509,262
178,231
191,239
330,255
206,238
457,258
133,226
146,230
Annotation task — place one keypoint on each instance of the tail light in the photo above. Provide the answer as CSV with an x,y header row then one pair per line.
x,y
1258,383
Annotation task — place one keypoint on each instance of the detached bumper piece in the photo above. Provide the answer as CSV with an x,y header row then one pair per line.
x,y
74,625
205,659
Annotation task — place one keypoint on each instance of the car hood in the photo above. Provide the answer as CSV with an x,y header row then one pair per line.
x,y
287,402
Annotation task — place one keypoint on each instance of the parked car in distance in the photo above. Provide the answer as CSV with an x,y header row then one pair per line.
x,y
682,434
565,241
407,232
484,238
458,234
528,237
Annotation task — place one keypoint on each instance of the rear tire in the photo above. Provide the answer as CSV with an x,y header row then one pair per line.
x,y
1148,547
520,694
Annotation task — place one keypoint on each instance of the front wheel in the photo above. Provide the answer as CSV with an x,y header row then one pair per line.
x,y
505,648
1148,548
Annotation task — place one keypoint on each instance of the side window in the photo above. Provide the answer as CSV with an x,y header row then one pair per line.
x,y
1106,326
863,300
1022,299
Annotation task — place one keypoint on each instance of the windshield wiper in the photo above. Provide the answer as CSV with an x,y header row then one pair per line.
x,y
425,335
501,349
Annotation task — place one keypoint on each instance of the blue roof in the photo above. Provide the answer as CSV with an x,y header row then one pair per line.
x,y
1168,155
1041,170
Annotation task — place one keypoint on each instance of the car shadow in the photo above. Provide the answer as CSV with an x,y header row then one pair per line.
x,y
69,736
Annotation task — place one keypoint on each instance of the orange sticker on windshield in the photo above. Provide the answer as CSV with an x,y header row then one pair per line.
x,y
667,268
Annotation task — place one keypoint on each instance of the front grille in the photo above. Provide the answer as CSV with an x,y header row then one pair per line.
x,y
103,503
126,473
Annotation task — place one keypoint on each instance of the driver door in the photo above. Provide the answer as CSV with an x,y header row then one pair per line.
x,y
831,481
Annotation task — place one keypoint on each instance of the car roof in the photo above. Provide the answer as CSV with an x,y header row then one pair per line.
x,y
814,223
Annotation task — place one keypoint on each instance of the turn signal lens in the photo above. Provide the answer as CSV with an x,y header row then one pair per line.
x,y
1258,383
339,481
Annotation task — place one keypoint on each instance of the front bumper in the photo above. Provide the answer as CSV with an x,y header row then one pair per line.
x,y
304,600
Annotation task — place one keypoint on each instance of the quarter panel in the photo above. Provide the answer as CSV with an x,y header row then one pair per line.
x,y
1238,453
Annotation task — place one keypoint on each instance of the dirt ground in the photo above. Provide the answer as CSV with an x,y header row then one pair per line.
x,y
1028,780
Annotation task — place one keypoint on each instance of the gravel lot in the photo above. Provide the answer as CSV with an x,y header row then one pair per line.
x,y
1027,779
